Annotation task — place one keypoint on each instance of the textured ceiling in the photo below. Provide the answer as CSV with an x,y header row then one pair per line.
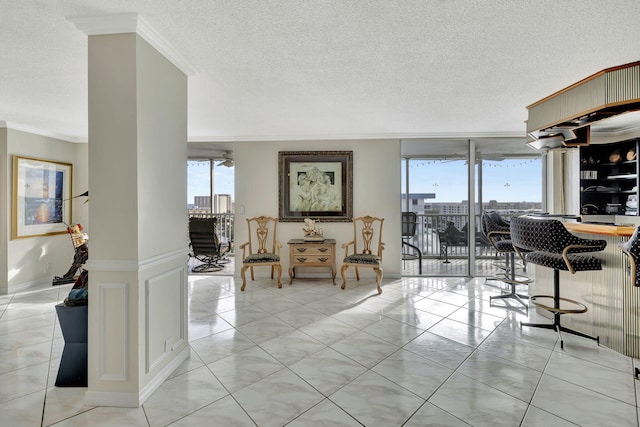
x,y
327,69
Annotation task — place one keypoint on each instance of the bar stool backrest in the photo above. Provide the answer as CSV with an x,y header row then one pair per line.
x,y
632,249
549,235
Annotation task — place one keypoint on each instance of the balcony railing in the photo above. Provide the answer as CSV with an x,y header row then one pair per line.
x,y
429,235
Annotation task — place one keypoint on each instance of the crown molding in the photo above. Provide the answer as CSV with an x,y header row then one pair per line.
x,y
331,137
48,134
320,137
132,23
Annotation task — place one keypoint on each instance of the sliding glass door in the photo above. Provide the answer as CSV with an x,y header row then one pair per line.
x,y
510,187
448,196
436,189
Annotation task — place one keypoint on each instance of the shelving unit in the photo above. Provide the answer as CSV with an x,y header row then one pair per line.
x,y
606,180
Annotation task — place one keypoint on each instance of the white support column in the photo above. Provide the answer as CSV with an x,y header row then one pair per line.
x,y
471,228
138,184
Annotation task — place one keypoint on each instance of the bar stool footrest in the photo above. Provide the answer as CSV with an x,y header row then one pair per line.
x,y
580,308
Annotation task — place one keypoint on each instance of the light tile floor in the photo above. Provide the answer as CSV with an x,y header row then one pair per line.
x,y
428,351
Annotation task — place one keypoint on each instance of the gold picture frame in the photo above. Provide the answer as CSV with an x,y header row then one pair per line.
x,y
41,197
315,184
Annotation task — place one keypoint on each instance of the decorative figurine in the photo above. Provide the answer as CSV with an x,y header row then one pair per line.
x,y
79,240
312,233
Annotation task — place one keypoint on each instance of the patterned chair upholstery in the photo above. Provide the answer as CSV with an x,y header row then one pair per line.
x,y
262,249
631,248
498,232
366,248
549,244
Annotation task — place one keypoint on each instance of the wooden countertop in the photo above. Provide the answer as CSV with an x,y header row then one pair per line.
x,y
606,230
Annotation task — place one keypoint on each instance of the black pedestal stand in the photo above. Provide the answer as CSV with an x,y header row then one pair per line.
x,y
73,366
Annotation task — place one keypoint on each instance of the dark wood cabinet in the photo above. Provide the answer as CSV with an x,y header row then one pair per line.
x,y
609,178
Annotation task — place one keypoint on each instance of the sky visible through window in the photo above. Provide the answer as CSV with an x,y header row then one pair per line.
x,y
198,180
513,180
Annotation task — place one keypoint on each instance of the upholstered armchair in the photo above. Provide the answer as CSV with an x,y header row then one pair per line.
x,y
365,250
262,249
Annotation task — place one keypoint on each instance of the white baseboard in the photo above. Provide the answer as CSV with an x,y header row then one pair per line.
x,y
134,400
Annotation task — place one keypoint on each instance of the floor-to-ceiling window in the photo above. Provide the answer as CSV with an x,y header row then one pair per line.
x,y
436,187
210,189
438,184
509,186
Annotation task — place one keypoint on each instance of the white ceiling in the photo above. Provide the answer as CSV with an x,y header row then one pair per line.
x,y
323,69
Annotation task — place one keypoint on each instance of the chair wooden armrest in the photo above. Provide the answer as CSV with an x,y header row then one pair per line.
x,y
380,249
346,247
243,247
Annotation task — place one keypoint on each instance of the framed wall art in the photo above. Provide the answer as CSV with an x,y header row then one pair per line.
x,y
41,197
315,184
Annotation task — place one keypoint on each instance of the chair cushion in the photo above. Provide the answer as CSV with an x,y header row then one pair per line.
x,y
367,259
257,258
503,245
555,261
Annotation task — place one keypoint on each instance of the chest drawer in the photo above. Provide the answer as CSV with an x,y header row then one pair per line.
x,y
311,249
302,259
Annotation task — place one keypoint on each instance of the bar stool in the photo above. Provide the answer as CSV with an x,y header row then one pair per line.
x,y
551,245
498,232
631,248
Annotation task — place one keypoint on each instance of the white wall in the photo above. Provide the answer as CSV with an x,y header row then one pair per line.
x,y
34,261
5,206
376,192
162,154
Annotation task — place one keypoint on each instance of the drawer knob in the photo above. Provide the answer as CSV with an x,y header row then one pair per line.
x,y
301,249
323,249
301,259
323,259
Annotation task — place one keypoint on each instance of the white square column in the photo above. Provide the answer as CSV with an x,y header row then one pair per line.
x,y
138,249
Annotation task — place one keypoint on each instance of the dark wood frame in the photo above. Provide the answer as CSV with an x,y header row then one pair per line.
x,y
335,166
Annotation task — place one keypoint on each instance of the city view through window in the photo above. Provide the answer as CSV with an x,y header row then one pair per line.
x,y
441,186
199,189
510,185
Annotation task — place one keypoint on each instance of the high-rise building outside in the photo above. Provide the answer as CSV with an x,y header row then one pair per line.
x,y
202,202
222,203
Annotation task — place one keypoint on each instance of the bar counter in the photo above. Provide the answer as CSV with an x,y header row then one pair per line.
x,y
611,298
601,229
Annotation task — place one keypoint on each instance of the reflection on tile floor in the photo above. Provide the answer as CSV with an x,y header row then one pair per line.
x,y
428,351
